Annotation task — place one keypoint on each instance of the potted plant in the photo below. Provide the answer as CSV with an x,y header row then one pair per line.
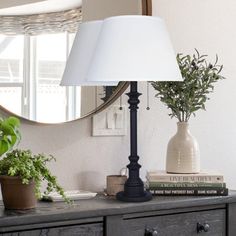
x,y
21,172
184,99
21,175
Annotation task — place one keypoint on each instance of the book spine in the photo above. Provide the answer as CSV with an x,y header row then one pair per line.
x,y
185,184
183,178
190,192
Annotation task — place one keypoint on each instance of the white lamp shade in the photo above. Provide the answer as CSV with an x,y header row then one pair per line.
x,y
80,56
133,48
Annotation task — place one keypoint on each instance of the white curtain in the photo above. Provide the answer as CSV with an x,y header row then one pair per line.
x,y
55,22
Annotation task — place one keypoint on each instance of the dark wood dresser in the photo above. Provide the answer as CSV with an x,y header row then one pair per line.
x,y
163,216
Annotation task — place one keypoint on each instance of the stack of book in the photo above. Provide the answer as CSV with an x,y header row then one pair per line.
x,y
161,183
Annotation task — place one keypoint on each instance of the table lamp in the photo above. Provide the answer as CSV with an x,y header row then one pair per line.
x,y
128,48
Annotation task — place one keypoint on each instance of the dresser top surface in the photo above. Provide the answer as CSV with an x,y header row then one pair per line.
x,y
104,206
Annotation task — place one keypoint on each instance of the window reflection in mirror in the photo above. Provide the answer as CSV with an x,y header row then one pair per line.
x,y
30,78
11,72
37,66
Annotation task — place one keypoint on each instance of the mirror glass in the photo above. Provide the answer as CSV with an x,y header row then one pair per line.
x,y
32,62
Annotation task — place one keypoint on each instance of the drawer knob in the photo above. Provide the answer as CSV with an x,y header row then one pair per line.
x,y
202,227
151,232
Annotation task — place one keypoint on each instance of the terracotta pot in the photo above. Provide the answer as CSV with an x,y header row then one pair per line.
x,y
183,155
16,195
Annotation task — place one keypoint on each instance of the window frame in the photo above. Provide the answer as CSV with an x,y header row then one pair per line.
x,y
29,81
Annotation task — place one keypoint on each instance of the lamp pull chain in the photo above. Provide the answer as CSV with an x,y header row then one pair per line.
x,y
96,97
148,97
121,102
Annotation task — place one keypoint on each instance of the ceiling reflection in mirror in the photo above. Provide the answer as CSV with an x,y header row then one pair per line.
x,y
33,54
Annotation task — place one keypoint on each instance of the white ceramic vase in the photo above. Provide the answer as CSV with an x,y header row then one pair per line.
x,y
183,155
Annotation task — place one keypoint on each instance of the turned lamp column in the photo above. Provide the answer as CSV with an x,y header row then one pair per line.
x,y
134,187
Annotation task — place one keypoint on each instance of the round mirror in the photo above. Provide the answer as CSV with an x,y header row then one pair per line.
x,y
35,40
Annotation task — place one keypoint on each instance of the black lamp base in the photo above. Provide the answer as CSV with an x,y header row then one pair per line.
x,y
143,198
133,187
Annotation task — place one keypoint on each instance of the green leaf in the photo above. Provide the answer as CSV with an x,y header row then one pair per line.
x,y
4,146
9,134
13,121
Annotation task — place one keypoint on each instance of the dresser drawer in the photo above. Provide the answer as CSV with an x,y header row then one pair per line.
x,y
95,229
180,224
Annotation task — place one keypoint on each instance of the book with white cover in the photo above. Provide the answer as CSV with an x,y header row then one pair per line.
x,y
203,177
72,195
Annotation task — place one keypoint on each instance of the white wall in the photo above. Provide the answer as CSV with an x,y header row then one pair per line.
x,y
84,161
209,26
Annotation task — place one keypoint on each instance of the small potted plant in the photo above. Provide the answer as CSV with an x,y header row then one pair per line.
x,y
21,176
21,172
184,99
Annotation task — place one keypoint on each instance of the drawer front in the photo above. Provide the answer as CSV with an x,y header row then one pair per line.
x,y
181,224
77,230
